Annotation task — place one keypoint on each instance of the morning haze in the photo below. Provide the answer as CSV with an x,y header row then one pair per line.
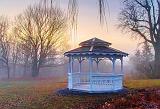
x,y
72,54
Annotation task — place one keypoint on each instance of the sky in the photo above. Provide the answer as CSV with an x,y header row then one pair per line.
x,y
88,21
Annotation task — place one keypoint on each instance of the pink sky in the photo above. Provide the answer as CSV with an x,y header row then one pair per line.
x,y
88,25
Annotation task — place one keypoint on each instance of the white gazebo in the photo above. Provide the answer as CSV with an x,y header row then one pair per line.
x,y
95,82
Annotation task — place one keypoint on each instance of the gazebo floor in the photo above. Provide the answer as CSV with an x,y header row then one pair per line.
x,y
96,88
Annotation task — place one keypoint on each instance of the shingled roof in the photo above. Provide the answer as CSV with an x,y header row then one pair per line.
x,y
95,42
95,46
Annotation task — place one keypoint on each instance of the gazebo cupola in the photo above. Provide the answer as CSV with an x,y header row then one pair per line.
x,y
95,50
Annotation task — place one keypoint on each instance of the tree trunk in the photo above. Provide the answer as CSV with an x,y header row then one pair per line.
x,y
14,70
157,60
8,72
35,69
26,65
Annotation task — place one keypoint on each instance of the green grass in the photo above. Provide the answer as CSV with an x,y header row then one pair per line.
x,y
142,83
40,94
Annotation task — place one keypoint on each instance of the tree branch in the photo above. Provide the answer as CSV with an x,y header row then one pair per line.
x,y
142,35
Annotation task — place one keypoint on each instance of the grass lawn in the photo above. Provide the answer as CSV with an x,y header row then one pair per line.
x,y
142,83
40,94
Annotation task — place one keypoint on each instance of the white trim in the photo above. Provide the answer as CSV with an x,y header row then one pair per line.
x,y
96,53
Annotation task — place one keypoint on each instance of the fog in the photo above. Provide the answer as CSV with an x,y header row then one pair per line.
x,y
59,71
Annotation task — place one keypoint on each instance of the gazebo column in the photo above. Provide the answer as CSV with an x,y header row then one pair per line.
x,y
97,64
80,70
121,82
113,72
70,73
90,72
80,65
113,65
122,65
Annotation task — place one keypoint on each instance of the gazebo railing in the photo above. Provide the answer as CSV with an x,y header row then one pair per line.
x,y
80,79
97,81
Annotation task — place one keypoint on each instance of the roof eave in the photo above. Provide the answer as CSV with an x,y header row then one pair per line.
x,y
89,53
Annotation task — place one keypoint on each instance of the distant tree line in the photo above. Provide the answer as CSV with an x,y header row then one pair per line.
x,y
34,37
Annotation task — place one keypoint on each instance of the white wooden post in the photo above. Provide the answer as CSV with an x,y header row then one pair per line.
x,y
122,65
97,63
80,69
69,69
113,72
113,66
121,85
80,65
90,72
70,74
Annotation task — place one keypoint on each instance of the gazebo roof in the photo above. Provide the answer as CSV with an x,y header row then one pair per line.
x,y
95,42
97,47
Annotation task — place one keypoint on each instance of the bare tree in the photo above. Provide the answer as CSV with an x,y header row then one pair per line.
x,y
4,43
26,57
73,12
143,61
142,19
15,55
40,29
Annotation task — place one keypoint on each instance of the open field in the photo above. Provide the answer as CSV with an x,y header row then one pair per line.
x,y
41,94
138,84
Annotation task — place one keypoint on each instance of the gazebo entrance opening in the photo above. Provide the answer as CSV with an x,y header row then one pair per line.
x,y
94,50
